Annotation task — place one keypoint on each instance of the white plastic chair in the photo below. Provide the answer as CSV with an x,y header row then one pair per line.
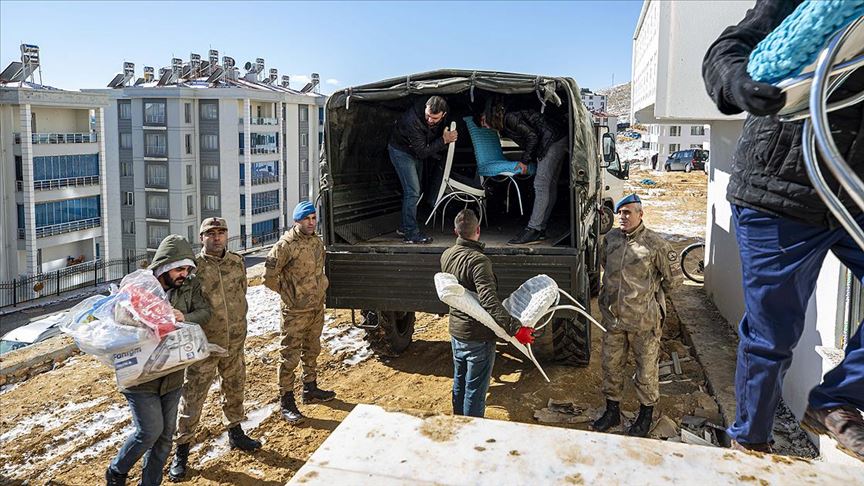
x,y
453,190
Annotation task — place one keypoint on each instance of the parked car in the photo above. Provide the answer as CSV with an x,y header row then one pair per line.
x,y
32,333
686,160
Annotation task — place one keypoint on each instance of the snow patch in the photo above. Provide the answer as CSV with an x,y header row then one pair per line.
x,y
264,314
49,420
347,341
220,446
8,388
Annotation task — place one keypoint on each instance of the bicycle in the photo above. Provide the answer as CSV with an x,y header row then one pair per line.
x,y
693,262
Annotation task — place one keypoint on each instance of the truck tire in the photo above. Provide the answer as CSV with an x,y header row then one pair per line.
x,y
392,334
571,339
607,219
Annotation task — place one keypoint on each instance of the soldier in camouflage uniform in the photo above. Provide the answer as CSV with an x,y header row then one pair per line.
x,y
295,269
640,267
223,282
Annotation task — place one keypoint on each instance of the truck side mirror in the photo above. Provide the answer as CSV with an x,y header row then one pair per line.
x,y
608,147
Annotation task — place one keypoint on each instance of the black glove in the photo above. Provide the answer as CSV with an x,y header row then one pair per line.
x,y
760,99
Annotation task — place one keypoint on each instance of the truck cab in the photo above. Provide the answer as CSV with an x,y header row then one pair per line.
x,y
372,272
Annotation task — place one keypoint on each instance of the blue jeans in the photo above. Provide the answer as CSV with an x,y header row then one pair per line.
x,y
780,261
155,419
409,170
472,369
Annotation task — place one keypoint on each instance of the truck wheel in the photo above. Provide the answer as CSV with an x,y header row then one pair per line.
x,y
393,332
607,219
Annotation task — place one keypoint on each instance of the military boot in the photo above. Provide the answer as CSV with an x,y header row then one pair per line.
x,y
114,479
312,394
611,417
178,465
290,412
238,439
642,424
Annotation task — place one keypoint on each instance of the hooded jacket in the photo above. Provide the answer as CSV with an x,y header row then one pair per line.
x,y
188,299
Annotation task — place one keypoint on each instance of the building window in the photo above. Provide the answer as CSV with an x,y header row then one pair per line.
x,y
154,113
304,139
188,138
187,112
304,113
128,198
674,147
190,205
210,142
129,227
696,145
155,145
265,201
211,203
125,169
157,205
60,167
304,164
210,172
304,190
157,175
126,141
190,233
125,111
155,234
67,211
188,174
675,131
209,111
697,130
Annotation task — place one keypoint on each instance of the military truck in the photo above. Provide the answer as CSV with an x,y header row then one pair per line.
x,y
384,281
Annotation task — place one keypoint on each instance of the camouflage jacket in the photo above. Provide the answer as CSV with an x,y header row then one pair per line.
x,y
639,269
223,283
295,269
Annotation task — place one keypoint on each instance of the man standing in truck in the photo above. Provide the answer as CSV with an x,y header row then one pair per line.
x,y
473,343
638,272
295,270
419,136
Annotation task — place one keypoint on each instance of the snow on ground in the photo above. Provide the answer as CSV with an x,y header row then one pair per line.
x,y
349,342
219,445
49,420
263,315
631,150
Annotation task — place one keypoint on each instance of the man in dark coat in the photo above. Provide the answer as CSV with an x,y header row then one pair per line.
x,y
784,232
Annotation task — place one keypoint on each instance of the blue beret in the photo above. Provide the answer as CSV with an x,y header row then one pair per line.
x,y
632,198
303,209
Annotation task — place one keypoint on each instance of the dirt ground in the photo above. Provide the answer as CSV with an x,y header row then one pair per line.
x,y
64,426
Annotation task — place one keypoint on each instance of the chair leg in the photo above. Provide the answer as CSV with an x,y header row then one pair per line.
x,y
518,195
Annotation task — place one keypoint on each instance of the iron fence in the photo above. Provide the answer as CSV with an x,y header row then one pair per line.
x,y
88,274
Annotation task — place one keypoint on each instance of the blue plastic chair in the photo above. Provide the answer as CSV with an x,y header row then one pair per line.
x,y
491,162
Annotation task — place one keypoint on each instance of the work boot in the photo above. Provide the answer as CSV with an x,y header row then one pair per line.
x,y
238,439
642,424
763,447
290,412
178,465
611,417
843,424
527,236
312,394
114,479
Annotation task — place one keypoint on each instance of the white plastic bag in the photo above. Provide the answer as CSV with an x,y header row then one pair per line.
x,y
91,325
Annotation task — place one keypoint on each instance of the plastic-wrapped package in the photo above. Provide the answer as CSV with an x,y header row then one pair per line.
x,y
91,325
178,349
147,303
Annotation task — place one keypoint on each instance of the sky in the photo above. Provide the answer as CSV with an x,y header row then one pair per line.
x,y
83,44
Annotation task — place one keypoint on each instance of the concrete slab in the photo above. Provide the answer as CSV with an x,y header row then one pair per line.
x,y
376,446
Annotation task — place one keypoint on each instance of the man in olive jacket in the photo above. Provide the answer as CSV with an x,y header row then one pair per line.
x,y
473,343
154,404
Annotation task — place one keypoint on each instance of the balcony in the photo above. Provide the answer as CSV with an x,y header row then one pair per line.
x,y
261,180
56,138
262,121
157,119
47,185
58,229
156,182
154,242
157,213
160,151
261,150
264,209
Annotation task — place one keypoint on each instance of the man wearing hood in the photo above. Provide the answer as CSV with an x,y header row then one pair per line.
x,y
223,277
295,270
154,404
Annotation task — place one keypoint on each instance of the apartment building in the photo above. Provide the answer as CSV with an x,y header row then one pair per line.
x,y
203,140
594,102
53,190
666,139
669,43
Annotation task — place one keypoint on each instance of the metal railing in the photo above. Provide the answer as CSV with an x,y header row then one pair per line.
x,y
48,184
92,273
264,180
59,229
154,242
261,150
155,119
155,151
160,213
264,209
160,182
261,121
54,138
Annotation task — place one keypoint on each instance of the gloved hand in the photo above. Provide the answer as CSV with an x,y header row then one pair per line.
x,y
525,335
760,99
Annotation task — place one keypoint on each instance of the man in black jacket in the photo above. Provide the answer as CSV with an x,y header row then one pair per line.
x,y
473,343
419,136
784,232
